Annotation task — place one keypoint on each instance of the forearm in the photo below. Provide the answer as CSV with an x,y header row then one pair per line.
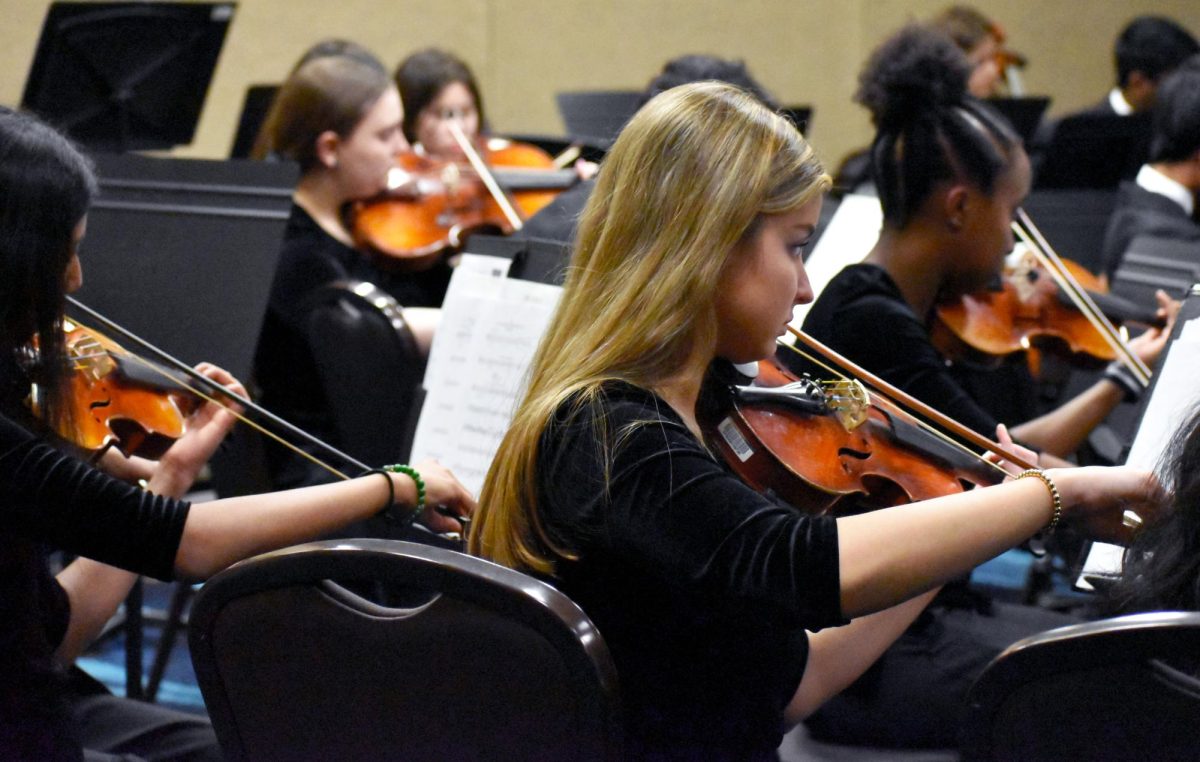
x,y
890,555
837,656
1061,431
221,532
95,590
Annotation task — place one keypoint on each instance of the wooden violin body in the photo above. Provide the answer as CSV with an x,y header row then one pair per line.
x,y
434,204
1031,311
117,400
832,448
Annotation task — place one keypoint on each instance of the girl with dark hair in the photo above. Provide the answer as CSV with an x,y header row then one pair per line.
x,y
50,499
1161,571
438,87
950,174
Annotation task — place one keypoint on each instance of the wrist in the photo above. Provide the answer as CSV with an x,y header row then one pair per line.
x,y
1056,501
408,488
171,479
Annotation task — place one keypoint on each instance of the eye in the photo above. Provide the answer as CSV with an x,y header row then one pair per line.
x,y
796,250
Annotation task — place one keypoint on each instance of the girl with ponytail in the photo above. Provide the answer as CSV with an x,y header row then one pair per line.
x,y
950,174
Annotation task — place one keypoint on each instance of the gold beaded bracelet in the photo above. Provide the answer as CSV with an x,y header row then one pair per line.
x,y
1056,499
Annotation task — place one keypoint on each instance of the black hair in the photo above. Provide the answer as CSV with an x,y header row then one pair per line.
x,y
928,128
1177,114
1153,45
46,187
699,68
423,75
1162,564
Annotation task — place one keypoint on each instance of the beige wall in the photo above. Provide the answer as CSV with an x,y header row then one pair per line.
x,y
804,51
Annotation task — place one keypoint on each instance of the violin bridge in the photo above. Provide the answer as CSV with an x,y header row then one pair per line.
x,y
849,400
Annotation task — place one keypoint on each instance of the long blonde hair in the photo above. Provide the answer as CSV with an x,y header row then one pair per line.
x,y
689,176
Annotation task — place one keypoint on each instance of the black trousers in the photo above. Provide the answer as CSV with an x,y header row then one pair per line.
x,y
111,728
915,695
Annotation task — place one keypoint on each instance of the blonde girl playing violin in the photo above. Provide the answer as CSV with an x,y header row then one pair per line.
x,y
729,616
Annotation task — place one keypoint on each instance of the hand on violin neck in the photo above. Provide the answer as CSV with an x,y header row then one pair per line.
x,y
206,429
1150,344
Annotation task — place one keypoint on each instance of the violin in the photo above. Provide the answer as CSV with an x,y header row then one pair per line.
x,y
433,204
107,374
834,447
116,400
1045,301
1031,309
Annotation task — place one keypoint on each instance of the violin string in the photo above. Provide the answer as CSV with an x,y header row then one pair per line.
x,y
919,421
191,373
1045,253
241,417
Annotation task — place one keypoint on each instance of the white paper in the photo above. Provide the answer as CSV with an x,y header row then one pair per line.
x,y
847,240
490,328
1176,394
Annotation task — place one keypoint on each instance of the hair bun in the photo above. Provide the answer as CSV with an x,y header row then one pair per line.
x,y
914,71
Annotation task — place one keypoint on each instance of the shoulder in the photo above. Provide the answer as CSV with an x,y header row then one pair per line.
x,y
860,296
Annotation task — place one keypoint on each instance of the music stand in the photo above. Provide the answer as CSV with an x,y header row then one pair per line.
x,y
254,112
1094,151
1024,114
800,116
126,76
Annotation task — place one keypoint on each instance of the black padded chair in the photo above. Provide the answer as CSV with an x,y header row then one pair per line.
x,y
370,369
596,116
486,664
1111,690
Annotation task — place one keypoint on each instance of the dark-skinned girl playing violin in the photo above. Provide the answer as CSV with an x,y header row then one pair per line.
x,y
950,175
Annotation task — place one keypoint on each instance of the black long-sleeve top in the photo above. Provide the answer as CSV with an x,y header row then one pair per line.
x,y
51,500
284,365
862,314
701,587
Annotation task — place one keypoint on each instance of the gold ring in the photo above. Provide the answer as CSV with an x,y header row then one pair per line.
x,y
1131,520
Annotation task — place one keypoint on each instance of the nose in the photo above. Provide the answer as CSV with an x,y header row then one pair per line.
x,y
804,291
400,143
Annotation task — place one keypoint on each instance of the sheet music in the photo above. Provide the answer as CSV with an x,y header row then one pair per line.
x,y
847,240
490,328
1175,396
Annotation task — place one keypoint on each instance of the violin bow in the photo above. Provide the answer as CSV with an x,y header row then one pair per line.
x,y
214,388
912,403
485,174
1041,249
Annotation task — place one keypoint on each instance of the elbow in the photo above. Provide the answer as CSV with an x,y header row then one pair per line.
x,y
198,557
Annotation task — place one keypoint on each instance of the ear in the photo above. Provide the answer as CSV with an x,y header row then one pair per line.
x,y
955,206
327,146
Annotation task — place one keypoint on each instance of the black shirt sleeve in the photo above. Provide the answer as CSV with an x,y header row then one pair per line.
x,y
861,315
669,508
53,498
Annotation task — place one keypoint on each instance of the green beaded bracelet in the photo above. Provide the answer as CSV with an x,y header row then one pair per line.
x,y
416,477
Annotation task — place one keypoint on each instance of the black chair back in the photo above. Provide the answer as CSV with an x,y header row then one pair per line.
x,y
370,368
596,116
484,664
1115,689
